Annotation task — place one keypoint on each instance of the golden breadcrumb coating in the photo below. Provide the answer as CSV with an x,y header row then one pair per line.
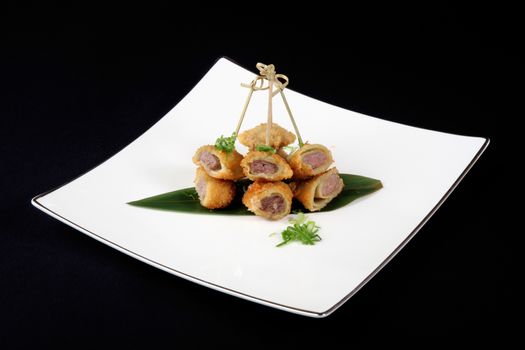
x,y
213,193
317,192
265,166
301,169
279,136
219,164
272,200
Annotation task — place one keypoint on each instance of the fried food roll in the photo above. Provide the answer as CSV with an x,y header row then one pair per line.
x,y
265,166
213,193
219,164
317,192
309,161
272,200
279,136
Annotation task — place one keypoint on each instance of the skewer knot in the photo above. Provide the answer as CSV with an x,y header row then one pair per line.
x,y
268,72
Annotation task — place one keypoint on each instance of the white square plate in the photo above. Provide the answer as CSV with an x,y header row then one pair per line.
x,y
235,254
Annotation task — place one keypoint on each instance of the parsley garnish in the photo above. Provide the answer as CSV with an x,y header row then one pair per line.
x,y
264,148
226,144
302,230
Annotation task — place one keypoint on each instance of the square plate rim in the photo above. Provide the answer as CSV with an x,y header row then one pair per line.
x,y
315,314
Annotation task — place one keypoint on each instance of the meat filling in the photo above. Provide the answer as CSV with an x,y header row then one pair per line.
x,y
201,188
273,204
329,186
210,161
315,159
262,167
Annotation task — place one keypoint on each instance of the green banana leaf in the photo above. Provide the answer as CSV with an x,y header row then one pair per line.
x,y
187,200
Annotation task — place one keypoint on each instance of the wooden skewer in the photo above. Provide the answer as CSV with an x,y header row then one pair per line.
x,y
299,139
270,116
268,72
245,108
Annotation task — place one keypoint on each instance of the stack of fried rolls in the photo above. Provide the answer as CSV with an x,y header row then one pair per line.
x,y
268,196
306,169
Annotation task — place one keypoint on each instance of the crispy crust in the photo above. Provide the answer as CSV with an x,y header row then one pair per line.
x,y
279,136
307,192
219,193
283,169
230,163
302,170
259,190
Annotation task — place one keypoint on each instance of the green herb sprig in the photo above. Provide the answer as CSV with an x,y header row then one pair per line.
x,y
226,144
265,148
301,230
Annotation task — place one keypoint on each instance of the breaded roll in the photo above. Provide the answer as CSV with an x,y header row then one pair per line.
x,y
279,137
213,193
309,161
272,200
265,166
317,192
219,164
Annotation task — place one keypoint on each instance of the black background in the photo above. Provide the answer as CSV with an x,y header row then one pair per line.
x,y
79,84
